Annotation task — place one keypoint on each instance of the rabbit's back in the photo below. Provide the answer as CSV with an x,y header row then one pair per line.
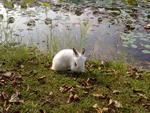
x,y
62,60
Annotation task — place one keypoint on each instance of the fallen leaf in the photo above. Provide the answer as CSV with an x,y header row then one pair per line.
x,y
71,97
95,106
100,96
105,110
116,92
100,110
85,92
64,88
6,107
76,97
142,95
14,98
91,80
41,78
51,93
147,106
8,74
147,26
114,103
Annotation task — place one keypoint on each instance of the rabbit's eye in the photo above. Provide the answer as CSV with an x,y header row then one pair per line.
x,y
75,64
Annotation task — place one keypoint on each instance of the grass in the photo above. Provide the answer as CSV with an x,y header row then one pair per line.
x,y
38,87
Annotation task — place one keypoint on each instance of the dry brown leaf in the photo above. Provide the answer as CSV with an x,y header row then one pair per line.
x,y
142,95
147,26
138,91
8,74
78,86
100,110
116,92
6,107
95,106
71,97
87,88
65,88
114,103
76,97
100,96
85,92
91,80
41,78
72,89
51,93
147,106
105,110
14,98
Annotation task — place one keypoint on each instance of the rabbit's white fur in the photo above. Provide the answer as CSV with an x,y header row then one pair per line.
x,y
69,59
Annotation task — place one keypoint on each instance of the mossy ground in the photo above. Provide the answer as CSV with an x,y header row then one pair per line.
x,y
39,87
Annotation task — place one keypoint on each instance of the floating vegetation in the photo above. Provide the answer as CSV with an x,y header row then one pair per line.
x,y
131,40
23,5
114,11
78,12
47,4
146,51
99,20
11,20
132,2
48,21
29,1
66,22
8,4
147,46
130,26
31,23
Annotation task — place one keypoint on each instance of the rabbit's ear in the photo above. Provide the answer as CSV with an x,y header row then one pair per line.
x,y
83,51
75,52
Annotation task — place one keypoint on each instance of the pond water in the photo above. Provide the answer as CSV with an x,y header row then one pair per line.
x,y
112,30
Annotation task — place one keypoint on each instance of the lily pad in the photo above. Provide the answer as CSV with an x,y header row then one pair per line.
x,y
133,46
48,21
114,11
78,12
11,20
31,23
147,46
130,26
47,4
146,51
125,45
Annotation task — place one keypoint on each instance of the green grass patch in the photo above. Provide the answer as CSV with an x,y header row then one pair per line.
x,y
25,72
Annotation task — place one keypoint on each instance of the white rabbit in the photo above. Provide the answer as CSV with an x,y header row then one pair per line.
x,y
69,59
